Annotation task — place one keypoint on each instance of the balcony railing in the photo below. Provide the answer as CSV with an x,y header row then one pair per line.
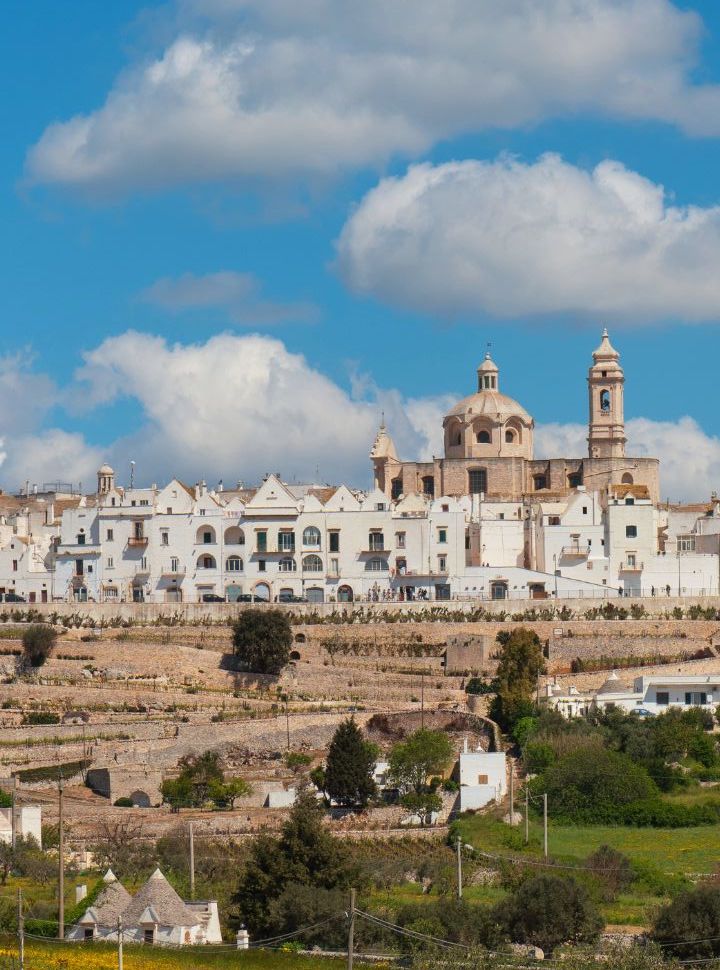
x,y
173,570
137,542
632,567
575,551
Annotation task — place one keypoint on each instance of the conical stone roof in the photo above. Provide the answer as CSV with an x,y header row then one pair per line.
x,y
159,896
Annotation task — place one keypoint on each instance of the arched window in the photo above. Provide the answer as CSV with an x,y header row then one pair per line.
x,y
605,400
234,564
428,485
205,535
311,537
312,564
575,479
206,562
483,437
540,482
627,479
287,565
234,536
457,438
509,436
396,488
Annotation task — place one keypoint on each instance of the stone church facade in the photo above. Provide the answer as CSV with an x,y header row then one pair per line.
x,y
489,447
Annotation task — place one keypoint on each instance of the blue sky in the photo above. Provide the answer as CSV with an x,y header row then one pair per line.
x,y
205,206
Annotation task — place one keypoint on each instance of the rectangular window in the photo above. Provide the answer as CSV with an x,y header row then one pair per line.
x,y
15,562
144,501
286,541
445,508
110,535
695,698
262,541
261,565
380,507
143,563
168,510
477,479
482,780
631,559
376,542
442,535
207,537
174,565
164,538
334,542
334,567
400,540
631,532
662,698
110,562
442,564
584,509
81,539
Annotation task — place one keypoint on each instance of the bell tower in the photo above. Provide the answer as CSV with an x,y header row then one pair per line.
x,y
606,431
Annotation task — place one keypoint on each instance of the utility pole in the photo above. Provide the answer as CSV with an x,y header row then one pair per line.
x,y
527,814
351,932
545,836
120,942
422,700
61,865
458,847
14,813
192,862
21,930
512,793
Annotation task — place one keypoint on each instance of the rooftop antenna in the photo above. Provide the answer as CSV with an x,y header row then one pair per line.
x,y
132,474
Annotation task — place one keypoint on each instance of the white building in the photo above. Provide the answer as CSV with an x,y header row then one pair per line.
x,y
653,694
482,776
28,823
155,914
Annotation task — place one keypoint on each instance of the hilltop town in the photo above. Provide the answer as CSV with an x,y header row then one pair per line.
x,y
187,672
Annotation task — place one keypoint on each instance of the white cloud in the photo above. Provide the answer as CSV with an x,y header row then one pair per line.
x,y
689,457
512,239
271,88
240,405
236,294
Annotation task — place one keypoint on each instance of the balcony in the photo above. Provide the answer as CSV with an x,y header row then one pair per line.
x,y
575,551
173,570
141,570
78,549
631,567
375,552
420,573
137,542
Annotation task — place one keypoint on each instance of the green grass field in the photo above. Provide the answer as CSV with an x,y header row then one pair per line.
x,y
99,956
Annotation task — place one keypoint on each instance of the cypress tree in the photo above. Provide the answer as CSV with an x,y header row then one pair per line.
x,y
349,768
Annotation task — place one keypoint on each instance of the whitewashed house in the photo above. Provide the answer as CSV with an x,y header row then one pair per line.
x,y
155,915
652,694
482,776
28,823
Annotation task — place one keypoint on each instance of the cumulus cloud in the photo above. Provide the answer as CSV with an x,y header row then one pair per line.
x,y
509,239
689,457
238,295
241,405
273,88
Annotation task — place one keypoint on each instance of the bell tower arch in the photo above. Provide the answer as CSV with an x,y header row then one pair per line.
x,y
606,380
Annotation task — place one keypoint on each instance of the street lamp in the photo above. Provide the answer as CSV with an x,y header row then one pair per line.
x,y
678,559
555,572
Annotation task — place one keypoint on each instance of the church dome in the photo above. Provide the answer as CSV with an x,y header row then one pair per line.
x,y
491,404
488,423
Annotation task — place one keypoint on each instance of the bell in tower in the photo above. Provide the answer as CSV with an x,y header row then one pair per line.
x,y
606,431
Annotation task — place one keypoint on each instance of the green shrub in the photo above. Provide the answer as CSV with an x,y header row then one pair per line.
x,y
37,641
123,802
537,756
593,784
691,923
41,717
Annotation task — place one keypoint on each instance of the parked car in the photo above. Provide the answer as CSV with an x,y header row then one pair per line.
x,y
290,598
212,598
249,598
642,712
12,598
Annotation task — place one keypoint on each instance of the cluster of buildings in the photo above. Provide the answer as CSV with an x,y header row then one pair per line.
x,y
648,695
486,520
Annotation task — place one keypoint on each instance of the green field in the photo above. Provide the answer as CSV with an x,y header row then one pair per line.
x,y
99,956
